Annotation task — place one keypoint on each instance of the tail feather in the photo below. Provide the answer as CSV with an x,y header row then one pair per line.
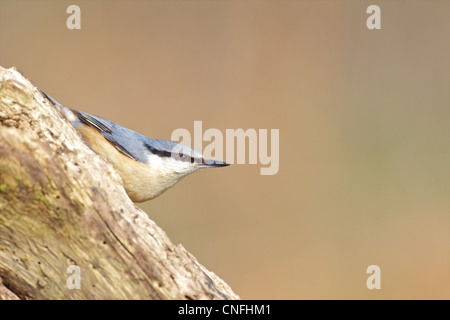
x,y
66,112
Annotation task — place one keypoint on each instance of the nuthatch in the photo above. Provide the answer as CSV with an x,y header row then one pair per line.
x,y
148,167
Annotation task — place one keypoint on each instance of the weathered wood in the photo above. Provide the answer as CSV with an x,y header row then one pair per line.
x,y
61,204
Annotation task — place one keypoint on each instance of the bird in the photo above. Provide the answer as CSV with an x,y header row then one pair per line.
x,y
148,167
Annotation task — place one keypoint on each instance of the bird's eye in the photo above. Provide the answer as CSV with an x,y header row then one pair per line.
x,y
181,154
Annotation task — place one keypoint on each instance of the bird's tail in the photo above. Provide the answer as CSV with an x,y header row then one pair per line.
x,y
65,111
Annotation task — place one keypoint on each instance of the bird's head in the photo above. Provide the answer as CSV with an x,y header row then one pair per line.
x,y
178,159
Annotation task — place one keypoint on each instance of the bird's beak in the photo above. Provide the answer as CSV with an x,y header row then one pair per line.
x,y
208,163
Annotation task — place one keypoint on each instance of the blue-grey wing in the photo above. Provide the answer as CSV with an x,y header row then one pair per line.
x,y
127,141
130,143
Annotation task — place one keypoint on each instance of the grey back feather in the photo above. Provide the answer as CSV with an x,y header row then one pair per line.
x,y
131,143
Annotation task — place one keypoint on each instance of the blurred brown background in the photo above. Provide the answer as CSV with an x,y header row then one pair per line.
x,y
363,115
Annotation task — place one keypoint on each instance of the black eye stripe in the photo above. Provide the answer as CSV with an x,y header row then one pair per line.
x,y
161,153
167,154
